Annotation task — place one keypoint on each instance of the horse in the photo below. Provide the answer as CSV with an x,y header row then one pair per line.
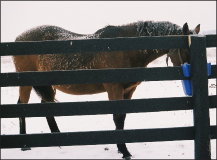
x,y
75,61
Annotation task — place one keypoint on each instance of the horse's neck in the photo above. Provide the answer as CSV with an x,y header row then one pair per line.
x,y
137,58
143,58
117,31
153,55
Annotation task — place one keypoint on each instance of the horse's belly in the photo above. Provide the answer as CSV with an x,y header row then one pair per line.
x,y
81,89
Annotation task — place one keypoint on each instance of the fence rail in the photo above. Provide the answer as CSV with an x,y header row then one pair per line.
x,y
100,107
200,101
94,76
99,45
93,45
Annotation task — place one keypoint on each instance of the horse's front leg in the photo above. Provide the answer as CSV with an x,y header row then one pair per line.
x,y
116,92
119,122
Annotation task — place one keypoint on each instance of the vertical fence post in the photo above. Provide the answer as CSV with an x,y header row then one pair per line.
x,y
200,97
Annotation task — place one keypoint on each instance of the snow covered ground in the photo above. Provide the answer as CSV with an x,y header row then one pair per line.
x,y
150,150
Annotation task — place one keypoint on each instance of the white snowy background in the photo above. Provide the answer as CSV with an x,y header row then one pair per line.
x,y
87,17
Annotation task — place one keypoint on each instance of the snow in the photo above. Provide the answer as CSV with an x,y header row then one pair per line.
x,y
145,150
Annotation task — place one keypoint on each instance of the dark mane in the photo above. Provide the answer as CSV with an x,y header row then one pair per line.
x,y
161,28
144,28
111,32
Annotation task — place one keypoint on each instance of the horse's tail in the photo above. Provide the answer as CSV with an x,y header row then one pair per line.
x,y
46,93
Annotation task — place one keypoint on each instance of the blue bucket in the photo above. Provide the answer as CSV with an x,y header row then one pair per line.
x,y
209,69
186,84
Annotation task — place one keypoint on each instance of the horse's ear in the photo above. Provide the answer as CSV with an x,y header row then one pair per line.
x,y
197,29
185,29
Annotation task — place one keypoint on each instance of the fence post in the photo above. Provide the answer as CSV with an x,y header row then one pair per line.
x,y
200,97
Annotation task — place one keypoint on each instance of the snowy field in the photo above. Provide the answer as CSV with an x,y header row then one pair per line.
x,y
150,150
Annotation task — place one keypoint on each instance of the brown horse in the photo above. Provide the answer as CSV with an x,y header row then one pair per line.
x,y
121,59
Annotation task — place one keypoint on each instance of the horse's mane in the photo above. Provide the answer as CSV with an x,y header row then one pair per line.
x,y
146,28
159,28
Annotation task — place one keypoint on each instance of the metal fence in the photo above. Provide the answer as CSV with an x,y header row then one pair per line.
x,y
199,102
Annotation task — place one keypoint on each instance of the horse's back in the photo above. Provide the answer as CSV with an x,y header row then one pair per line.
x,y
40,33
46,32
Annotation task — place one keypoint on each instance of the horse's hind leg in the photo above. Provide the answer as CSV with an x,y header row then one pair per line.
x,y
24,94
47,94
52,123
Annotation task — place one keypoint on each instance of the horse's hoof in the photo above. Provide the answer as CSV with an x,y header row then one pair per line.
x,y
25,149
129,157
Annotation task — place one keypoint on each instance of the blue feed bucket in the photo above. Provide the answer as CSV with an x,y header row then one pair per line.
x,y
186,84
209,69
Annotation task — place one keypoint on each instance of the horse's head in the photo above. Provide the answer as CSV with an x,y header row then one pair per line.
x,y
180,56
